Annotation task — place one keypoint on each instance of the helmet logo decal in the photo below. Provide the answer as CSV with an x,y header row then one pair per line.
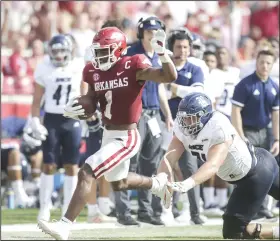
x,y
201,101
116,35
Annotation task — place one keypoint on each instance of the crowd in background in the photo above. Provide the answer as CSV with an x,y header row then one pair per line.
x,y
242,27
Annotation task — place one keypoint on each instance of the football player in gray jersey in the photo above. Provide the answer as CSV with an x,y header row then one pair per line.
x,y
210,136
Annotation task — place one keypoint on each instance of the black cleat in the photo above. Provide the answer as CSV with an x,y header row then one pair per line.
x,y
128,221
196,220
150,219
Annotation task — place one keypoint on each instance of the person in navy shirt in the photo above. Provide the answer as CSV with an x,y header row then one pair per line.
x,y
190,79
256,104
148,158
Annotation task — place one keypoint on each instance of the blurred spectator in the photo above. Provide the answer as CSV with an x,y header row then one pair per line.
x,y
264,22
163,10
41,23
73,7
64,22
246,51
169,23
17,64
275,68
82,33
37,55
250,66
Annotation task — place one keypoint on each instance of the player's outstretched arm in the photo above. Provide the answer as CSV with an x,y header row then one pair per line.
x,y
215,158
171,158
168,72
38,130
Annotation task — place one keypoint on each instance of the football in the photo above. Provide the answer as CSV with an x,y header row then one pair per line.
x,y
89,105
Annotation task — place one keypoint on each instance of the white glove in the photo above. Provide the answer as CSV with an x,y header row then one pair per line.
x,y
160,189
29,139
39,132
71,111
158,42
183,187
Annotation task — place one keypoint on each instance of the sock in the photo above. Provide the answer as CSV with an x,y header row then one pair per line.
x,y
222,196
92,209
275,232
208,193
185,201
20,193
66,220
104,205
69,186
36,180
46,189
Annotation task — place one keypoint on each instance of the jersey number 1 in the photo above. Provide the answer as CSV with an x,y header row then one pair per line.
x,y
57,94
108,96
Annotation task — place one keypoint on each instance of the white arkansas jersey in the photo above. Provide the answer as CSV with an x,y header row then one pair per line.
x,y
216,131
231,80
60,83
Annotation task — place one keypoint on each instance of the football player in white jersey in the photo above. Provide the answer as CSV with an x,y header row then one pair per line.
x,y
210,136
231,80
58,77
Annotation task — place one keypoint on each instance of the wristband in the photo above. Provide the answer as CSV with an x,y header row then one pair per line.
x,y
164,58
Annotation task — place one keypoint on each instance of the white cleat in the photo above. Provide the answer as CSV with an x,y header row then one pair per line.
x,y
59,230
167,217
213,212
184,218
25,201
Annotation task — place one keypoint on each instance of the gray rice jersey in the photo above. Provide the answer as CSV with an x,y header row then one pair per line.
x,y
216,131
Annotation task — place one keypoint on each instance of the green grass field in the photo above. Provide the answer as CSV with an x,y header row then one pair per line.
x,y
153,233
25,229
23,216
28,216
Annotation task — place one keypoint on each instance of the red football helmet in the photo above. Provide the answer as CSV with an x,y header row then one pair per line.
x,y
108,45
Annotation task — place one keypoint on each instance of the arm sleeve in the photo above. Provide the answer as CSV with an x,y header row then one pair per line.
x,y
240,94
197,77
84,75
39,75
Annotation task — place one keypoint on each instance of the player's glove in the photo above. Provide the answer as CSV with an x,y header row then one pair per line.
x,y
29,139
160,189
73,110
183,186
158,42
39,132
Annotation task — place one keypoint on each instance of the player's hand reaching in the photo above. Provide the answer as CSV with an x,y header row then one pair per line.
x,y
39,132
73,109
158,42
183,186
